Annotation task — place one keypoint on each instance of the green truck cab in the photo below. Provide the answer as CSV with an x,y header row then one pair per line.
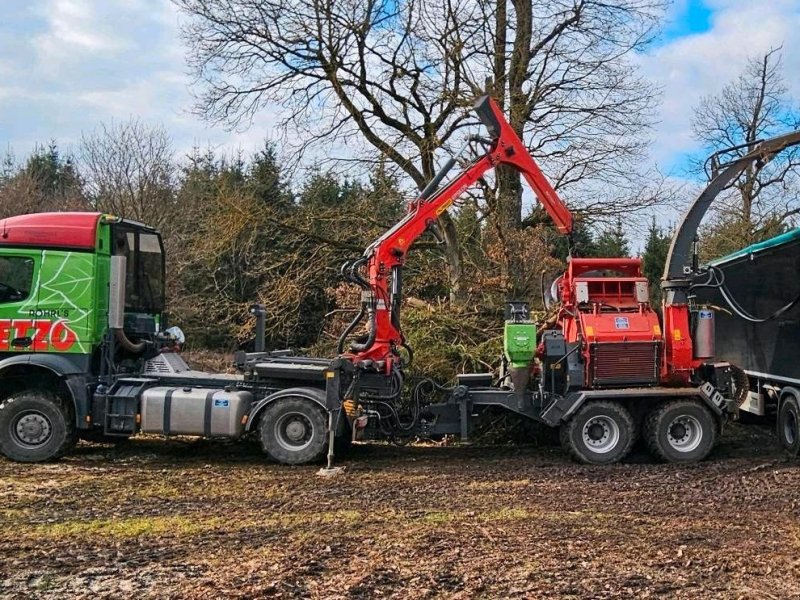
x,y
56,272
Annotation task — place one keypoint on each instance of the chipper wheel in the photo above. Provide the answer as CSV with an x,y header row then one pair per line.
x,y
35,426
293,431
681,431
600,433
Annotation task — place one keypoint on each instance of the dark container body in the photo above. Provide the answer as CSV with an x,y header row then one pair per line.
x,y
762,278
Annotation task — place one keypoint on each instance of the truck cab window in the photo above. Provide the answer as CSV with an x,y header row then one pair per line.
x,y
144,279
16,278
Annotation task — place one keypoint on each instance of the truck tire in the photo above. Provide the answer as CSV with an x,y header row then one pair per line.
x,y
293,431
600,433
35,426
681,431
789,425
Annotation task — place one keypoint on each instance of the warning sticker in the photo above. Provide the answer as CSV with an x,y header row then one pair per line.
x,y
621,323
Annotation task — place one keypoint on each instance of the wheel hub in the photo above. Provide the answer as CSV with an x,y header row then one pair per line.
x,y
601,434
294,431
684,433
597,432
32,429
679,431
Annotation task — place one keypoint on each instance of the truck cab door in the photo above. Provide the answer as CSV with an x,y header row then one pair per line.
x,y
65,311
19,278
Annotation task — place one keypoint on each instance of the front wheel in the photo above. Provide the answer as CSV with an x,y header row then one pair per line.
x,y
293,431
789,425
35,426
600,433
681,431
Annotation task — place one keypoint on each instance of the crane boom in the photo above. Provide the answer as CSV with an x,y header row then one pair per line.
x,y
383,260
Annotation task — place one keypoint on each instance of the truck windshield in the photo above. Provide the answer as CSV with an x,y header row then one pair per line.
x,y
144,278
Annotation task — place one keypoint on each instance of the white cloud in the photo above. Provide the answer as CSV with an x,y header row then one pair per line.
x,y
692,66
76,29
68,65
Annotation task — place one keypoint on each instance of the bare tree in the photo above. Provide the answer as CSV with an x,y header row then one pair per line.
x,y
129,170
750,108
401,75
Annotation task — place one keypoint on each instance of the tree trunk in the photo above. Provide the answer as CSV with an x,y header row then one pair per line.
x,y
452,247
452,252
509,76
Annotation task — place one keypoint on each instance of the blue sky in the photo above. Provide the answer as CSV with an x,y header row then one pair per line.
x,y
68,65
687,18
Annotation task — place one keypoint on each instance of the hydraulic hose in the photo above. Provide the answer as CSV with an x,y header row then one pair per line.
x,y
717,276
356,347
349,329
122,340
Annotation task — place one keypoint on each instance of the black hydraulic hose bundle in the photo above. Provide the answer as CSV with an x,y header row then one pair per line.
x,y
362,347
716,279
349,329
349,272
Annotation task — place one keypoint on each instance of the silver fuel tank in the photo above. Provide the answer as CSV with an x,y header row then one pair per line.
x,y
194,411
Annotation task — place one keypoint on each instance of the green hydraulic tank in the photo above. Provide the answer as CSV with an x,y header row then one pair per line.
x,y
519,342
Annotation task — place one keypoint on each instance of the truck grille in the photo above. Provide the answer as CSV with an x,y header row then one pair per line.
x,y
625,363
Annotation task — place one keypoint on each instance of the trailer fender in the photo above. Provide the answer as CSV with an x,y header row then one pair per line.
x,y
314,395
788,391
562,408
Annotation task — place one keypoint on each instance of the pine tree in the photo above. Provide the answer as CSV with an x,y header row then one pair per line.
x,y
266,179
653,259
580,243
613,243
322,189
53,174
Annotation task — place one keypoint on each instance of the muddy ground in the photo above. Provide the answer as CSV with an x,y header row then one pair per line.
x,y
202,519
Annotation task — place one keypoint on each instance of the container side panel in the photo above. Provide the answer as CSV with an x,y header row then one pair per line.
x,y
762,283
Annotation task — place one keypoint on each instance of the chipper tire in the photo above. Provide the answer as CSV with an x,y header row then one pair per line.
x,y
789,425
35,426
600,433
293,431
682,431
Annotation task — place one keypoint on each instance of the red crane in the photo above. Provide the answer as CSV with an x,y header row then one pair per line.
x,y
383,260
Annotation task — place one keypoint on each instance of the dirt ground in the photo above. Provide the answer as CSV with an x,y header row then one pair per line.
x,y
203,519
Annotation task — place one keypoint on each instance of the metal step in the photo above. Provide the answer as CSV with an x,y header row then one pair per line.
x,y
122,406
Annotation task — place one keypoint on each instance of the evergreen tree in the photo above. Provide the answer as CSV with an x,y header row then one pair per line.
x,y
653,259
266,180
612,242
53,174
8,168
322,189
580,243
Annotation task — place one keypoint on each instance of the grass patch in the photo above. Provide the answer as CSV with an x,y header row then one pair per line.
x,y
128,528
498,485
506,514
438,516
348,517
